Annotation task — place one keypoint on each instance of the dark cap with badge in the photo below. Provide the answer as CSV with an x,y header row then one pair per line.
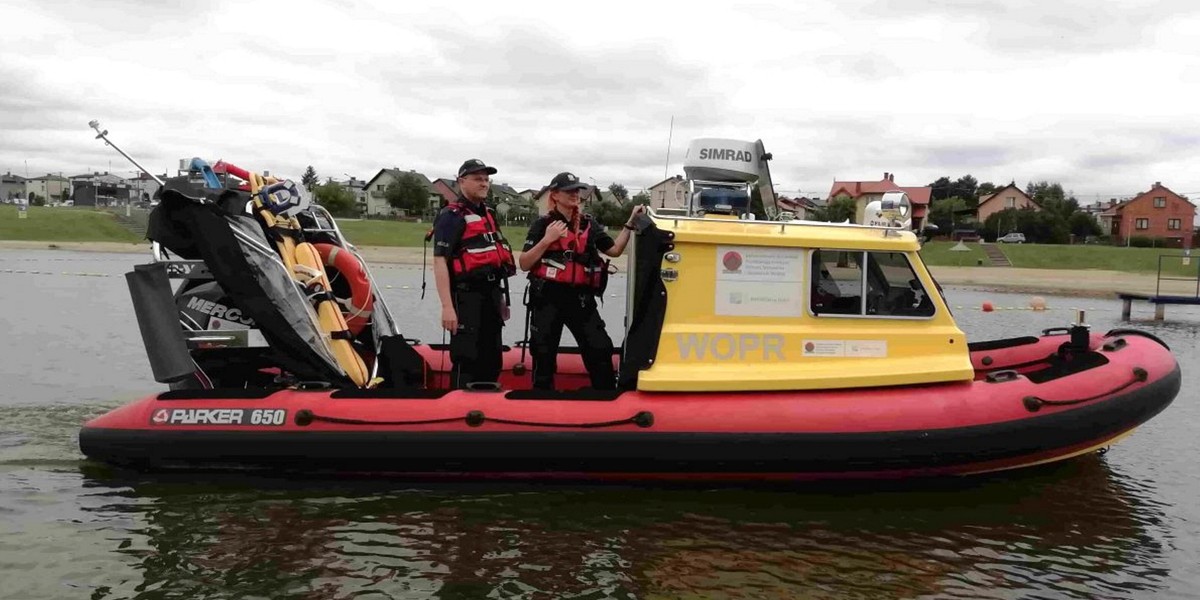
x,y
474,166
567,182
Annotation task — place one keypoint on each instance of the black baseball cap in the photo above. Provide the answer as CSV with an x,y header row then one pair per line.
x,y
566,182
474,166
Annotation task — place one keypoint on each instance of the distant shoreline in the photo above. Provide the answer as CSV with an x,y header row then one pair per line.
x,y
1089,283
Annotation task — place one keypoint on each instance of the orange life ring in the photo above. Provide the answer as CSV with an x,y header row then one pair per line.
x,y
357,308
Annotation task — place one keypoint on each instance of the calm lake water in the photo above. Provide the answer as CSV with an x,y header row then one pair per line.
x,y
1124,524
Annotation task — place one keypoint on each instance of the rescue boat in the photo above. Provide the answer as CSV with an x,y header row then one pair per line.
x,y
753,350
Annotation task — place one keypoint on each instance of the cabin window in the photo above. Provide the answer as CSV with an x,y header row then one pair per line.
x,y
892,288
1142,223
837,282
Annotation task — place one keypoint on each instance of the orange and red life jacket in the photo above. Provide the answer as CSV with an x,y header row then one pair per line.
x,y
483,254
570,261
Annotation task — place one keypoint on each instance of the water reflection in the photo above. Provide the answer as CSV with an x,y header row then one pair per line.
x,y
1074,530
1089,528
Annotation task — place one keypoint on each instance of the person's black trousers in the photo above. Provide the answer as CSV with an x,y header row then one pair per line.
x,y
550,309
476,348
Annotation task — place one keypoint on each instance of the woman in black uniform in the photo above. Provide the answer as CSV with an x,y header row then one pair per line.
x,y
566,273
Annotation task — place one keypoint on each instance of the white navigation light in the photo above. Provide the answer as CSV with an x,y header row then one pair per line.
x,y
894,210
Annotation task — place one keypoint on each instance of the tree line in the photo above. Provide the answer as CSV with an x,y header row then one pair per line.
x,y
409,193
954,203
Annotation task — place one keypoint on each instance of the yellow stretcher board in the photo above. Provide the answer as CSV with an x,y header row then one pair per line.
x,y
305,265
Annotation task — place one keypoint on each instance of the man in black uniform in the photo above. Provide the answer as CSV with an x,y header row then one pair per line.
x,y
472,262
566,273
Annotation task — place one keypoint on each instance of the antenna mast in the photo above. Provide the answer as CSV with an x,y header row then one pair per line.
x,y
103,135
670,132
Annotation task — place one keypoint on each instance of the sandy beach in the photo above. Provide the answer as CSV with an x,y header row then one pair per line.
x,y
1093,283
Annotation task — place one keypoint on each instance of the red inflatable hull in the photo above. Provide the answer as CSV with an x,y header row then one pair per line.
x,y
1029,404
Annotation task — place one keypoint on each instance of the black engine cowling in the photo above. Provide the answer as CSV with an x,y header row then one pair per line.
x,y
206,307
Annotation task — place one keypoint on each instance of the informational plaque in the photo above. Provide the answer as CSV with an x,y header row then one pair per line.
x,y
755,281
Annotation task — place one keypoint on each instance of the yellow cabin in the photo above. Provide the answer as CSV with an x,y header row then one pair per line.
x,y
721,303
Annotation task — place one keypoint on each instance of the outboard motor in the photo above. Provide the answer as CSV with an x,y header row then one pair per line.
x,y
206,307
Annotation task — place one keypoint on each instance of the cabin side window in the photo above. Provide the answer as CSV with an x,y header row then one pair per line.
x,y
837,280
892,289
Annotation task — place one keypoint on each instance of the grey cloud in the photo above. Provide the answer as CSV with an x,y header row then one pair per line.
x,y
864,65
536,102
1175,141
528,71
964,155
1034,26
1110,160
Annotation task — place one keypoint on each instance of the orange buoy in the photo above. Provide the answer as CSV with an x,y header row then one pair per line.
x,y
1037,303
358,307
987,306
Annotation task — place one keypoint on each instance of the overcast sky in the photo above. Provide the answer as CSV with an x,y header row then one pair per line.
x,y
1103,97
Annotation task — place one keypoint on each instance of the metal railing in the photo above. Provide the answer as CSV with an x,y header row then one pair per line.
x,y
1185,260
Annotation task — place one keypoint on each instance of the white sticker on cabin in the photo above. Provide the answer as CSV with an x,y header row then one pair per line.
x,y
845,348
867,348
753,281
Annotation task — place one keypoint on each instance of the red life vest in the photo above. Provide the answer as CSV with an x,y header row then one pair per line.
x,y
482,253
570,261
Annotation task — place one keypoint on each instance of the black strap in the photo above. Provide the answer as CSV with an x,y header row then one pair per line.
x,y
1035,403
325,296
279,232
525,346
424,255
475,418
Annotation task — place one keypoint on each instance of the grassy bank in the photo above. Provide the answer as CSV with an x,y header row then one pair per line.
x,y
940,254
1080,257
384,233
83,224
1113,258
62,224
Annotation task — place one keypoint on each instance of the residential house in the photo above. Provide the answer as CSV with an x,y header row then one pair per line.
x,y
12,187
801,208
51,187
376,203
671,192
608,196
1096,208
502,192
504,198
358,188
446,188
99,189
1157,213
527,199
865,192
143,187
1009,196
